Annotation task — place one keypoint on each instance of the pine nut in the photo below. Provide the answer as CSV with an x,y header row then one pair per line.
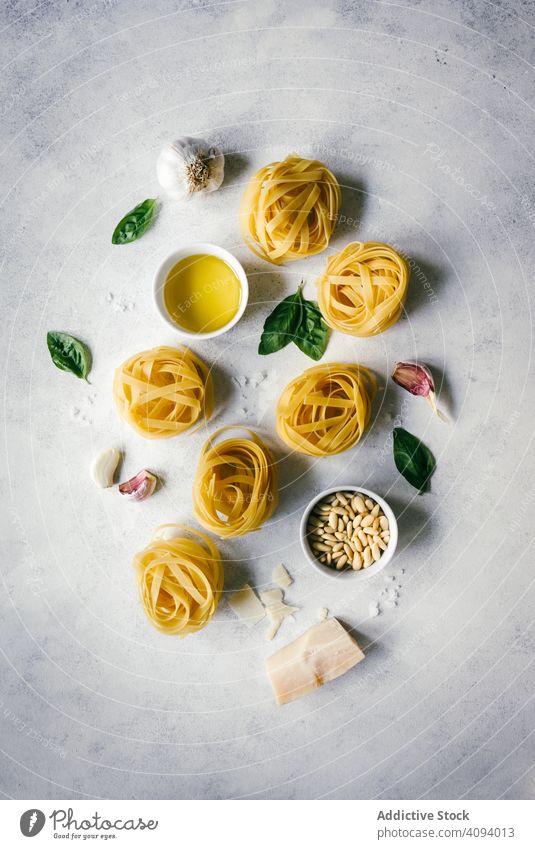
x,y
367,557
333,521
323,558
356,544
329,538
382,544
383,521
341,498
375,524
319,546
367,520
369,504
341,562
362,537
341,525
358,504
369,531
348,550
357,561
329,559
339,511
376,510
376,554
357,521
315,522
339,546
340,536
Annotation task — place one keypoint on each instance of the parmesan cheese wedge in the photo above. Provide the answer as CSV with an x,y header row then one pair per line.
x,y
321,654
247,606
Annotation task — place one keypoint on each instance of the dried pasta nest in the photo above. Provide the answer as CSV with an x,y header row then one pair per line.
x,y
326,409
289,209
180,579
235,488
363,288
163,392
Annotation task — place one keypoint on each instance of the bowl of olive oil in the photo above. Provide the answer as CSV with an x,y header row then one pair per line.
x,y
201,291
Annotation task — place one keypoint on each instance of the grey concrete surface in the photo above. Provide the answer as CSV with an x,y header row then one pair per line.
x,y
425,112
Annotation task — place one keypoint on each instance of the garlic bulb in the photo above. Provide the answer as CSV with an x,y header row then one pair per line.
x,y
187,166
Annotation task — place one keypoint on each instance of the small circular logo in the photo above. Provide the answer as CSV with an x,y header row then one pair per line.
x,y
32,822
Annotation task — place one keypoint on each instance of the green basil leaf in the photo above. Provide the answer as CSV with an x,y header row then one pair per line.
x,y
135,222
313,333
295,320
69,354
413,459
281,325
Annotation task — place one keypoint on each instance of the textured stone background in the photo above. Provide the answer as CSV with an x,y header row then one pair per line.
x,y
425,112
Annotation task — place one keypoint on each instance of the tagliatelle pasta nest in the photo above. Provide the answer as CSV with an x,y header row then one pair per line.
x,y
289,209
363,288
180,579
326,409
235,488
163,392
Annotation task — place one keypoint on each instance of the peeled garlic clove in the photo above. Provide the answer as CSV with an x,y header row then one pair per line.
x,y
140,486
418,380
104,467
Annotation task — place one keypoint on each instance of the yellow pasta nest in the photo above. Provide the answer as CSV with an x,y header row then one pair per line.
x,y
235,489
180,580
290,209
326,409
363,288
163,392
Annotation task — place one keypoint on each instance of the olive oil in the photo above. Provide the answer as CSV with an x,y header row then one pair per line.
x,y
202,293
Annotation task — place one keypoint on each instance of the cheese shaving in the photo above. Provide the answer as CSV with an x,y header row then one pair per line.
x,y
247,606
281,576
269,597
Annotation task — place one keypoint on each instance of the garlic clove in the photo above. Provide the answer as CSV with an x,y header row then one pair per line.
x,y
139,487
188,166
104,466
414,377
417,379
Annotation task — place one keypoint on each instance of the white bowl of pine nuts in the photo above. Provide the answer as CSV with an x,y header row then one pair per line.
x,y
349,530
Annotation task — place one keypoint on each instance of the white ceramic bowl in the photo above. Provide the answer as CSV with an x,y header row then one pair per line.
x,y
189,250
350,574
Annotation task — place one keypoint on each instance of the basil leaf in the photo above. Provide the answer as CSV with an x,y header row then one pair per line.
x,y
135,222
413,459
295,320
69,354
281,325
313,333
